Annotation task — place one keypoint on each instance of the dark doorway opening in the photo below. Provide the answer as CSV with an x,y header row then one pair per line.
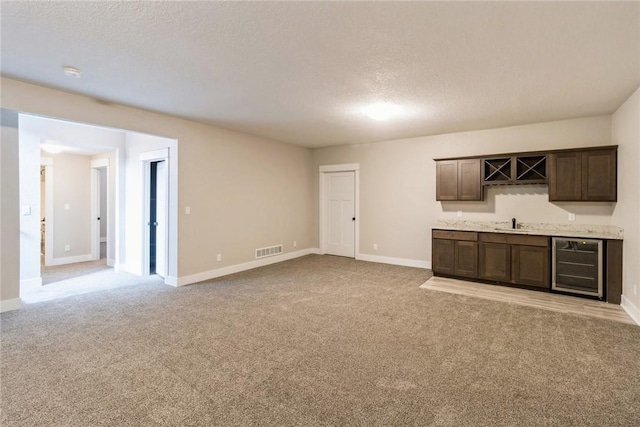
x,y
153,216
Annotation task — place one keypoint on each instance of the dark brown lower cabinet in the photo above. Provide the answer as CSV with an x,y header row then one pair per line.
x,y
513,258
466,259
496,257
443,256
517,259
530,265
613,277
495,262
455,253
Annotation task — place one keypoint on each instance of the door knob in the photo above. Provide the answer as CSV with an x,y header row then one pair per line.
x,y
353,219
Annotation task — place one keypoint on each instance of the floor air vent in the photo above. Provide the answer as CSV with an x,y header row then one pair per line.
x,y
270,251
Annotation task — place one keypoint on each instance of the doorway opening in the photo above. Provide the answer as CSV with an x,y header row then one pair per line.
x,y
100,211
63,219
156,215
157,218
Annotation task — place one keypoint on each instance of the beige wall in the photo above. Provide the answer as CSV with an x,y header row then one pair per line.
x,y
29,206
626,133
9,212
397,183
244,192
72,187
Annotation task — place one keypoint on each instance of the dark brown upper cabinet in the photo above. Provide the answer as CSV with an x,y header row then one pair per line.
x,y
599,175
565,176
518,169
497,171
583,175
459,180
530,169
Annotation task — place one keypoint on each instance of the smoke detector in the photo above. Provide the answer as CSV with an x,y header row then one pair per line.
x,y
72,72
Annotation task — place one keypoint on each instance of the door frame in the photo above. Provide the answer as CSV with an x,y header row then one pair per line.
x,y
47,210
323,171
146,159
95,206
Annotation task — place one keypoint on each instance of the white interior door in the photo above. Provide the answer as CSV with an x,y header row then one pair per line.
x,y
162,229
339,227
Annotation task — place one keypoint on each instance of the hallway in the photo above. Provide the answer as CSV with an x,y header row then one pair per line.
x,y
67,280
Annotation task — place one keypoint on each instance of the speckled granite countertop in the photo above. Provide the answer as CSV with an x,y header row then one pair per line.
x,y
585,231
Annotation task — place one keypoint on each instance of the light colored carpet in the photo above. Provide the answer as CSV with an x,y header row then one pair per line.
x,y
319,340
57,273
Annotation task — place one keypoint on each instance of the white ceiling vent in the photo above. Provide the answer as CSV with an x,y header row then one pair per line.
x,y
270,251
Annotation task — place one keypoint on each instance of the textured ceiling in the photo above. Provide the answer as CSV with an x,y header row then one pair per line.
x,y
300,72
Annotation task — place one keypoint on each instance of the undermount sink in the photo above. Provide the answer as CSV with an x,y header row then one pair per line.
x,y
510,230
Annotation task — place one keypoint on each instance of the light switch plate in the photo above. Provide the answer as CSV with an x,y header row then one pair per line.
x,y
187,210
572,216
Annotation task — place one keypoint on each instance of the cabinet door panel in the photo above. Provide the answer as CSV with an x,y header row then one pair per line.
x,y
565,176
443,256
469,180
447,180
530,266
466,259
495,262
613,278
599,175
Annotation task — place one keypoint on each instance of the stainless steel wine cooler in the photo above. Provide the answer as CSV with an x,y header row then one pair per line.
x,y
577,266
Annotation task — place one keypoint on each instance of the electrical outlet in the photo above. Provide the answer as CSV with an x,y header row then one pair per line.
x,y
295,243
219,257
459,214
187,210
375,246
572,216
67,248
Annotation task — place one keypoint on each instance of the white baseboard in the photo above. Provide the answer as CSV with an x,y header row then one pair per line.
x,y
71,259
118,267
395,261
103,239
10,304
111,263
171,281
224,271
632,310
31,283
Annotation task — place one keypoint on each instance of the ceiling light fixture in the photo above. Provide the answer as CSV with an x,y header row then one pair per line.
x,y
72,72
381,111
51,147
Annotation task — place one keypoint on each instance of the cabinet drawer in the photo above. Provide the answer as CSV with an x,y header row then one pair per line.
x,y
514,239
470,236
